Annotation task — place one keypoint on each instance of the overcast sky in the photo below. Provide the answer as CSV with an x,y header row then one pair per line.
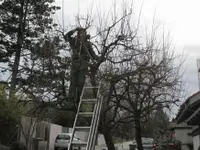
x,y
180,17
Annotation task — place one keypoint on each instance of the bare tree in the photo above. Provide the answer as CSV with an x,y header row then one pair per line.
x,y
153,80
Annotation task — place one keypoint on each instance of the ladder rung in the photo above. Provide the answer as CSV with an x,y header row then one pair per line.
x,y
86,113
83,144
89,100
92,87
82,128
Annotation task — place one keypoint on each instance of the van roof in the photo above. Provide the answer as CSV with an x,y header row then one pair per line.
x,y
70,134
65,133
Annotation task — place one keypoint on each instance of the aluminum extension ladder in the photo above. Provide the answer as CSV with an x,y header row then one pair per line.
x,y
90,97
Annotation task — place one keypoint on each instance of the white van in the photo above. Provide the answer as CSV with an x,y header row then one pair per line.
x,y
62,141
147,143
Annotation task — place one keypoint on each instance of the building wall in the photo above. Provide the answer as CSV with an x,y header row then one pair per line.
x,y
182,135
44,130
54,131
28,126
101,140
196,142
48,132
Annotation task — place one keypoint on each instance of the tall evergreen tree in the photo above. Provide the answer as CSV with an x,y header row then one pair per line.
x,y
46,75
23,24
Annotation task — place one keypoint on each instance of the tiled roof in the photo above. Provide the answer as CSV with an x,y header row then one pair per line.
x,y
184,104
192,96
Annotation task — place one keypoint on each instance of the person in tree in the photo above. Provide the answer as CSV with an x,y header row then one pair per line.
x,y
82,55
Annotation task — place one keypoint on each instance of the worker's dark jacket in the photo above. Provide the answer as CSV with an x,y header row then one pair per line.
x,y
82,51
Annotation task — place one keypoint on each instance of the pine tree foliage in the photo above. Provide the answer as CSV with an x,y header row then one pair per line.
x,y
23,24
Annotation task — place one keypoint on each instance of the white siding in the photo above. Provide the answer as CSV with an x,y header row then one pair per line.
x,y
101,140
54,131
196,143
182,135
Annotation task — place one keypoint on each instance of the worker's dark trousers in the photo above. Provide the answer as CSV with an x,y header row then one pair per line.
x,y
77,80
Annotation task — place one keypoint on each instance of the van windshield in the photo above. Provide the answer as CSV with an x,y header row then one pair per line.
x,y
147,141
63,137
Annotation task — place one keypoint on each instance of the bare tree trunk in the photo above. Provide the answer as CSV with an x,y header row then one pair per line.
x,y
20,37
15,71
109,140
93,81
138,134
